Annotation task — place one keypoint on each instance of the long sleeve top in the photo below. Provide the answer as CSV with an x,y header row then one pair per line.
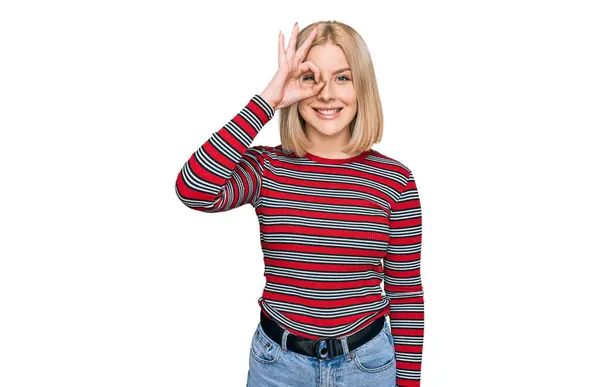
x,y
330,231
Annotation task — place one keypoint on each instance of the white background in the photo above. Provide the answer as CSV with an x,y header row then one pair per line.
x,y
106,279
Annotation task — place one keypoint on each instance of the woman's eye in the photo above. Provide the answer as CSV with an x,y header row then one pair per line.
x,y
306,78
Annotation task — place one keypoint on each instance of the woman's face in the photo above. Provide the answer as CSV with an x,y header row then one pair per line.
x,y
338,92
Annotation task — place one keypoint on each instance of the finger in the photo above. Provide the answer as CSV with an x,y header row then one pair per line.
x,y
312,91
303,50
291,49
281,50
309,66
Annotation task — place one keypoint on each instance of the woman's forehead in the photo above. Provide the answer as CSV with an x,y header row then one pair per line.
x,y
329,58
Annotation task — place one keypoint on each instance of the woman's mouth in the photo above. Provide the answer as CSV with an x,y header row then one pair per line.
x,y
327,114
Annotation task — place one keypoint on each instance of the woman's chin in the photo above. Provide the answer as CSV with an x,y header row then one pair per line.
x,y
328,130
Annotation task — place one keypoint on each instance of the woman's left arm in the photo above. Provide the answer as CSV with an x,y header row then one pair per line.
x,y
402,284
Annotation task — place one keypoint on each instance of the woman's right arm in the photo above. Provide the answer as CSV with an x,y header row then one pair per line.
x,y
225,172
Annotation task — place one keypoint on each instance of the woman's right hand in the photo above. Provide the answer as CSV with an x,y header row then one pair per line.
x,y
286,87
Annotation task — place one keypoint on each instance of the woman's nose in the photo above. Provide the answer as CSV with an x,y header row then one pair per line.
x,y
325,91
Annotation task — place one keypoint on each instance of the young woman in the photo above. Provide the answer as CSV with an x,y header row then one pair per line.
x,y
336,218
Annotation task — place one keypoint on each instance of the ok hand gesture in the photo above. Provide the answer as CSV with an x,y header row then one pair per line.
x,y
286,88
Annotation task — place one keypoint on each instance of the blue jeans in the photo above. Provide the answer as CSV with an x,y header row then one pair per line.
x,y
373,364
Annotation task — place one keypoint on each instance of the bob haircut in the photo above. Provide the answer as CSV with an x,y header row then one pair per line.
x,y
367,125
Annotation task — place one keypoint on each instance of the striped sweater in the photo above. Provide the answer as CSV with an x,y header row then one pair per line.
x,y
330,230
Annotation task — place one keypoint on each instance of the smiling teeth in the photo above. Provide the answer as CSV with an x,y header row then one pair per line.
x,y
329,112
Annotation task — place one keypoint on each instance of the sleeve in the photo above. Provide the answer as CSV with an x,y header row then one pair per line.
x,y
225,172
402,285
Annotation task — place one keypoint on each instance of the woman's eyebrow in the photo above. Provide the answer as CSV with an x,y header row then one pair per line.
x,y
337,71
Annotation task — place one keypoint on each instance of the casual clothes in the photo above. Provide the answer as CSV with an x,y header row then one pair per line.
x,y
370,365
330,230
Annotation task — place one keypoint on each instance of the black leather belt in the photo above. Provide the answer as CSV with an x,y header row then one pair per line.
x,y
323,348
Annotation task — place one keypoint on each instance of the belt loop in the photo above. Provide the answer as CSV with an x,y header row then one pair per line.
x,y
344,340
284,339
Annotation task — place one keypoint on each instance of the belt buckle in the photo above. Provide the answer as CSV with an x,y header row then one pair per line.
x,y
323,344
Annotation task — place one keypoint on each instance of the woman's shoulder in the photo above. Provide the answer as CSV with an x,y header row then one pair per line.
x,y
395,172
389,163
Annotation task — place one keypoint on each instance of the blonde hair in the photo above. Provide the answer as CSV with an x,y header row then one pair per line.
x,y
367,125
